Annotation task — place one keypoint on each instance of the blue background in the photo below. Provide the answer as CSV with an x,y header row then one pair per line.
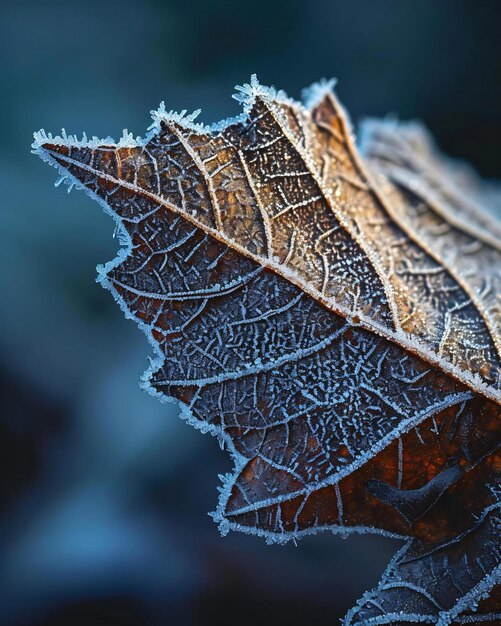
x,y
104,491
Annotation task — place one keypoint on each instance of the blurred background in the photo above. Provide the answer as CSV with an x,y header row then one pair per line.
x,y
104,491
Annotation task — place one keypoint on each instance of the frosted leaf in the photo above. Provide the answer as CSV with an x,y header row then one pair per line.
x,y
349,365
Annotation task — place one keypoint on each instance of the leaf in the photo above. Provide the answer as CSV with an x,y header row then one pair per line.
x,y
442,202
468,566
350,367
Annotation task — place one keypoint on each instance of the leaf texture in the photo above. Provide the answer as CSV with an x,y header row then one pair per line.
x,y
308,311
469,566
442,202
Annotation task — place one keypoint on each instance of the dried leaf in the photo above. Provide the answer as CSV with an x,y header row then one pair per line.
x,y
466,568
442,203
347,360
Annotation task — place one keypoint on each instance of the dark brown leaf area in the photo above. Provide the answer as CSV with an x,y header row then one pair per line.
x,y
411,487
454,570
318,323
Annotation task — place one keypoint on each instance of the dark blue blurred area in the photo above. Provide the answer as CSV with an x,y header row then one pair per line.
x,y
104,491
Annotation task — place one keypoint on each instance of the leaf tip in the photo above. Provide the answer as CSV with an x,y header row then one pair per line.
x,y
247,93
224,527
317,91
186,120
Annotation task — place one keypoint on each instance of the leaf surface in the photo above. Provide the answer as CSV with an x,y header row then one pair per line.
x,y
300,312
442,586
444,203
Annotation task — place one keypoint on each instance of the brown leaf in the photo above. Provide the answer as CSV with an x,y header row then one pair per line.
x,y
441,586
441,202
346,359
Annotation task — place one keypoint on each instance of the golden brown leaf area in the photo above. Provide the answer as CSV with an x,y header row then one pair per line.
x,y
335,321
